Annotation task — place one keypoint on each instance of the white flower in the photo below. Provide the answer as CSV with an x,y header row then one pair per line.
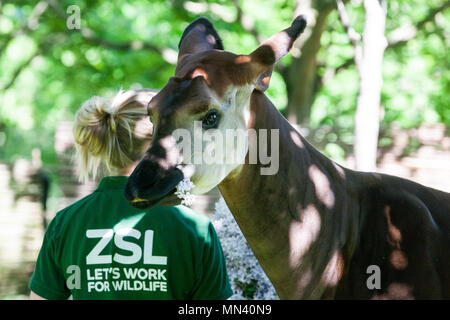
x,y
183,188
244,270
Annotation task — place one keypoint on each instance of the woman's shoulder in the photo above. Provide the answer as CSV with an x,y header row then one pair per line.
x,y
64,217
186,217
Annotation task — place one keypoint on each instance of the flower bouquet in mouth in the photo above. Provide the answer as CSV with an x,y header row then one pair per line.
x,y
183,192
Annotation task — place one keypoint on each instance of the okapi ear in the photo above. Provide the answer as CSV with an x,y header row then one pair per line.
x,y
273,49
199,36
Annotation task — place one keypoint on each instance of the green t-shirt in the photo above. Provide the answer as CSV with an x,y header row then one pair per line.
x,y
100,247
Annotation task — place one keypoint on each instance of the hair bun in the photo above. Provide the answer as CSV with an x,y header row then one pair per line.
x,y
112,123
105,112
109,132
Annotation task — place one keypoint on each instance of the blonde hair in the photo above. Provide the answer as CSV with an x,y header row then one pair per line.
x,y
112,134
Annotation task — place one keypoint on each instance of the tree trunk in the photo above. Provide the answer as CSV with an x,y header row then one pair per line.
x,y
301,75
368,105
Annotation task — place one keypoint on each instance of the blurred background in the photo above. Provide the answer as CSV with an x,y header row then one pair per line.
x,y
368,84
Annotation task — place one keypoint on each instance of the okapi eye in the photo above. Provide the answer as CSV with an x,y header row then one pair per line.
x,y
210,120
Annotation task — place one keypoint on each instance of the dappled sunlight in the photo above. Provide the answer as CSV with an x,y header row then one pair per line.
x,y
397,258
334,269
143,127
339,170
302,234
129,222
322,186
295,136
199,72
394,236
242,59
306,279
172,154
396,291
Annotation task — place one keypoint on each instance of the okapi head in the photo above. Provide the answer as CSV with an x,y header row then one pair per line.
x,y
209,95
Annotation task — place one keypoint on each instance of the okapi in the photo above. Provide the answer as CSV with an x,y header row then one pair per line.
x,y
318,229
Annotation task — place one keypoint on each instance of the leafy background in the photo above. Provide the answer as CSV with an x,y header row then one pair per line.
x,y
47,70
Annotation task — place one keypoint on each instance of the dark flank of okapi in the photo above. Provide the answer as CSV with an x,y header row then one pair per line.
x,y
315,227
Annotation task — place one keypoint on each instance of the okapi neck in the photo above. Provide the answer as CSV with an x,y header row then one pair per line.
x,y
295,218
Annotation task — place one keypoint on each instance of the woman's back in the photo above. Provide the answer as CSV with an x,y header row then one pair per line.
x,y
110,250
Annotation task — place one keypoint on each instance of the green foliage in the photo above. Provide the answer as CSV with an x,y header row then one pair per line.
x,y
413,145
335,152
48,71
248,289
416,74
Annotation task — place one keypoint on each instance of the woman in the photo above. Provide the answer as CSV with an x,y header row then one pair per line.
x,y
100,247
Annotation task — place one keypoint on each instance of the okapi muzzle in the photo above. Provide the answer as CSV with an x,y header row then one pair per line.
x,y
154,179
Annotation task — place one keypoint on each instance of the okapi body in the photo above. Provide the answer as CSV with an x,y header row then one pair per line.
x,y
317,227
319,231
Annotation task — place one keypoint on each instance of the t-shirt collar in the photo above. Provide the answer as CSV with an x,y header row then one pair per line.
x,y
112,183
